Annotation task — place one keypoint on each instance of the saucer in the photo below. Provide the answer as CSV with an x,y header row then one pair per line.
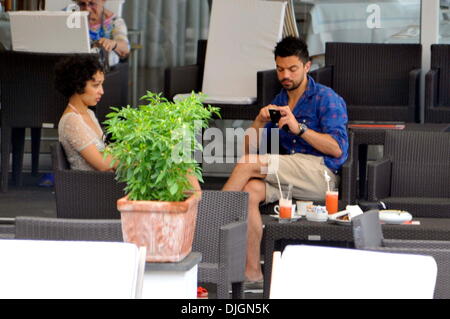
x,y
293,219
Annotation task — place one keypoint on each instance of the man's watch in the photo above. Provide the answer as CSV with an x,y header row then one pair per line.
x,y
303,128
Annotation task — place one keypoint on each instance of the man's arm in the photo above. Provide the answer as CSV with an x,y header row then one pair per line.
x,y
250,142
322,142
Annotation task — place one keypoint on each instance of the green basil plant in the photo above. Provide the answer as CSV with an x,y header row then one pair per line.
x,y
155,143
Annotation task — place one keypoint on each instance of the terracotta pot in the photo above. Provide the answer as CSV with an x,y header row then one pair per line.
x,y
166,229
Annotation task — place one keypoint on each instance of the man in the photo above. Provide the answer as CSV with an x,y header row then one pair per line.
x,y
314,135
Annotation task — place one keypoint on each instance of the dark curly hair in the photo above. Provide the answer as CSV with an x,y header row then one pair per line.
x,y
73,72
290,46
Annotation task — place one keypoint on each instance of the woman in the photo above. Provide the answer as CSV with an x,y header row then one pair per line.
x,y
105,28
80,78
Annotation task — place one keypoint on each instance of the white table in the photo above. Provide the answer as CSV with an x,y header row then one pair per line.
x,y
172,280
346,21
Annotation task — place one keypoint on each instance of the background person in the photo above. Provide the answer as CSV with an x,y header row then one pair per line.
x,y
106,29
314,139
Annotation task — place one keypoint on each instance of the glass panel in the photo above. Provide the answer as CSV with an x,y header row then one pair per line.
x,y
381,21
444,22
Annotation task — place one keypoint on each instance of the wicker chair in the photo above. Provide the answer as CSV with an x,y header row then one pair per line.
x,y
84,194
184,79
368,235
414,173
68,229
42,105
221,237
437,94
379,82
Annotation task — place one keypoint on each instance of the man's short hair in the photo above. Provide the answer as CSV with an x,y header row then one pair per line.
x,y
290,46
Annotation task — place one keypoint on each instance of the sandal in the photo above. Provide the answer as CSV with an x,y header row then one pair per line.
x,y
202,292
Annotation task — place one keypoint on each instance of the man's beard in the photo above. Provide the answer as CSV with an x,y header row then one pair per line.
x,y
290,85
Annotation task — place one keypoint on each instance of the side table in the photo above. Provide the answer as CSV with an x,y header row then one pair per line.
x,y
172,280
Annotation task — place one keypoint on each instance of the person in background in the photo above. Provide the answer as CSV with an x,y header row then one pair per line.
x,y
312,134
80,79
106,30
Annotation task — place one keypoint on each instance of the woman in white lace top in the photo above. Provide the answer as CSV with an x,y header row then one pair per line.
x,y
80,78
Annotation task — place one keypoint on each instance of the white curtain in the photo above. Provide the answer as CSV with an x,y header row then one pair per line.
x,y
170,29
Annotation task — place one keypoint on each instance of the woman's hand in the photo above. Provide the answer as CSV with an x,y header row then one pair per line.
x,y
107,44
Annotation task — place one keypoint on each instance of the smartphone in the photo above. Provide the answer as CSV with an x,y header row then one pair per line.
x,y
275,115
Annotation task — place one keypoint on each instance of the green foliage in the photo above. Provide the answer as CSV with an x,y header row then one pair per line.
x,y
154,145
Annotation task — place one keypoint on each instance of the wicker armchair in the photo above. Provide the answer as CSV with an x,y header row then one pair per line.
x,y
185,79
68,229
84,194
42,105
437,94
221,237
379,82
368,234
414,173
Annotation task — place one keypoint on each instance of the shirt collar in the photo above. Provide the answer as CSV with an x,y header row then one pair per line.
x,y
310,90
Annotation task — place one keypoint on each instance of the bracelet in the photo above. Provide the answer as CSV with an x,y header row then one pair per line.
x,y
115,47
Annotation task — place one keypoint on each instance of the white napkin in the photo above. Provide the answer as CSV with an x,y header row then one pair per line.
x,y
353,211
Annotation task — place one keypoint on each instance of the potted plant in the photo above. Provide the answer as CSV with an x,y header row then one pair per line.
x,y
154,145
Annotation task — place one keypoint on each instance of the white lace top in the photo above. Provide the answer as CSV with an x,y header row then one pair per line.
x,y
75,135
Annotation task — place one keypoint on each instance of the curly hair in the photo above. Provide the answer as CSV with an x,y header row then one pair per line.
x,y
290,46
73,72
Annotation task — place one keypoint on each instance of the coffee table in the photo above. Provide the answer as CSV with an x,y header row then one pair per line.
x,y
329,234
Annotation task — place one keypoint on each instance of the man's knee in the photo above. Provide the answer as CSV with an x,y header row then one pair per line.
x,y
256,189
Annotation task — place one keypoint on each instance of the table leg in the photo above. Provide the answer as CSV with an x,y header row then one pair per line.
x,y
269,246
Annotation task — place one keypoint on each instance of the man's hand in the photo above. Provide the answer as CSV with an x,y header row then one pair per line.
x,y
264,115
288,118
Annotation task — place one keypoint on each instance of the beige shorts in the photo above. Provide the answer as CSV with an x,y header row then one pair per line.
x,y
305,172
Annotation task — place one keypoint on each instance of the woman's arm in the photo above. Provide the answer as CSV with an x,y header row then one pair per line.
x,y
97,160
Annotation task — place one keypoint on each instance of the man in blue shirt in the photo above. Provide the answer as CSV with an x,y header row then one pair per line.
x,y
313,138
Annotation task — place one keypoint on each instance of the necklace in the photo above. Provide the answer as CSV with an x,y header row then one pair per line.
x,y
76,110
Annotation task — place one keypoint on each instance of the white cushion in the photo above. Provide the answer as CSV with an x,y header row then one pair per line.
x,y
317,272
70,269
242,37
238,100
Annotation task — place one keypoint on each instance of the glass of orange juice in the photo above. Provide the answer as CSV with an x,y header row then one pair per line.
x,y
331,201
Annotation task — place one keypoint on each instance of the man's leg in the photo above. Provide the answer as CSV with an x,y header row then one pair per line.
x,y
257,193
249,166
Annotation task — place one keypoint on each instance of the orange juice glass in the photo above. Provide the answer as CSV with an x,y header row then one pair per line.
x,y
331,201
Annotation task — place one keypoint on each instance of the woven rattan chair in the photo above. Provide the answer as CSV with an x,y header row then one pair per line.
x,y
185,79
221,237
68,229
379,82
414,173
84,194
29,100
437,93
368,235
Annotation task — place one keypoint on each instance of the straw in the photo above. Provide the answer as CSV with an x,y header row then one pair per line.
x,y
327,179
279,185
289,191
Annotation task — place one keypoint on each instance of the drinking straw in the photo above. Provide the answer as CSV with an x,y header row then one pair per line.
x,y
327,179
279,185
289,191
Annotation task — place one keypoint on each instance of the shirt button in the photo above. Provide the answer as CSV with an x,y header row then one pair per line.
x,y
293,141
293,152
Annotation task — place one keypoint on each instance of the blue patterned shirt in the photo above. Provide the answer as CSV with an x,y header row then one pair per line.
x,y
323,111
